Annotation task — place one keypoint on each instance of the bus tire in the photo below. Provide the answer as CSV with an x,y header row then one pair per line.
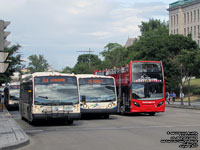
x,y
152,113
70,122
106,116
122,110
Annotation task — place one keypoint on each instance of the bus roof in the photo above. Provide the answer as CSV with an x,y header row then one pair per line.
x,y
40,74
92,76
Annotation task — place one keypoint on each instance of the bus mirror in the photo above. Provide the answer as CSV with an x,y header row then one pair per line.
x,y
83,98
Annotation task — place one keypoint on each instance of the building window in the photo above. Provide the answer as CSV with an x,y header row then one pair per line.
x,y
198,31
174,31
194,15
184,31
198,42
198,14
191,31
171,32
188,32
195,31
171,21
184,18
188,18
177,19
191,16
174,20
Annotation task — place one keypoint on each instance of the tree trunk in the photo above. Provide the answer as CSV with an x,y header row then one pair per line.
x,y
189,92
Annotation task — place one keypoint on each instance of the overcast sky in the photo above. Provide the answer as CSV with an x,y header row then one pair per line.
x,y
58,29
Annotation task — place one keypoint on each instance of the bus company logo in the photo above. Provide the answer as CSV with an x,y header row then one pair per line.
x,y
94,105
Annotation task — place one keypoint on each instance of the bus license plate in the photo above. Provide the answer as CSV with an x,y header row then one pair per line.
x,y
68,108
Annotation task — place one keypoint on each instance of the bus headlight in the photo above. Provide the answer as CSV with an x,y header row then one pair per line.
x,y
109,105
136,104
159,104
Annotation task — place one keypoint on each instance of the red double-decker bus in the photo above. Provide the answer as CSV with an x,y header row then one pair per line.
x,y
140,87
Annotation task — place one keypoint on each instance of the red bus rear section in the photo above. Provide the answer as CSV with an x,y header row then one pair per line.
x,y
140,86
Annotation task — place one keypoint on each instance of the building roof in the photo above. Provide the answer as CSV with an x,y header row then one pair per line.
x,y
130,42
180,3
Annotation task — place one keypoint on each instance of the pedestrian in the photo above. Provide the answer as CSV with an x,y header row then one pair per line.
x,y
167,98
170,96
182,95
174,97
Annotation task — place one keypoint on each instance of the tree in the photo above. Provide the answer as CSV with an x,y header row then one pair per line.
x,y
86,63
152,24
187,61
37,63
14,63
67,70
114,55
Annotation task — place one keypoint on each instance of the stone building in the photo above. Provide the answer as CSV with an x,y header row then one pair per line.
x,y
184,18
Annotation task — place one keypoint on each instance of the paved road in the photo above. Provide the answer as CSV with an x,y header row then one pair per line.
x,y
135,132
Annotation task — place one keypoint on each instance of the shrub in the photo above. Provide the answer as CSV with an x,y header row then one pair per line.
x,y
196,91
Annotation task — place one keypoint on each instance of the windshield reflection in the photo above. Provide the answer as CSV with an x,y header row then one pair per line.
x,y
147,91
58,93
98,92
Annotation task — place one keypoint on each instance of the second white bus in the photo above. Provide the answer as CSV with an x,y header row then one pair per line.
x,y
97,95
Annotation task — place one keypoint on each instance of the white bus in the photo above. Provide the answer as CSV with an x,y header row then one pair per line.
x,y
11,95
47,95
97,95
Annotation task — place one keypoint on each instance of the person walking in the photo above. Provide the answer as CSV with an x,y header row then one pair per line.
x,y
168,97
174,97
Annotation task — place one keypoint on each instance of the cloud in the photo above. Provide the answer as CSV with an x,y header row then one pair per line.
x,y
57,29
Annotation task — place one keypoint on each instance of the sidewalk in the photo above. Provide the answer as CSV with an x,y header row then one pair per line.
x,y
11,134
194,105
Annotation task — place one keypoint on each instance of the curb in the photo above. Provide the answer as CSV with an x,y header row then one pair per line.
x,y
183,106
25,141
16,145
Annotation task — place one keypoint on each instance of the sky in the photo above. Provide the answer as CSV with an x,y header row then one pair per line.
x,y
58,29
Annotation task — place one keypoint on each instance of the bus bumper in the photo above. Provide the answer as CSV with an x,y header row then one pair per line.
x,y
98,111
69,116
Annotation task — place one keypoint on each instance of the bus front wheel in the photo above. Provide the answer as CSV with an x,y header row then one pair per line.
x,y
106,116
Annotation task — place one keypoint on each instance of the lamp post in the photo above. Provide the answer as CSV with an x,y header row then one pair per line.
x,y
181,86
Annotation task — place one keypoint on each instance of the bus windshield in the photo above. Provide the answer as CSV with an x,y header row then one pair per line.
x,y
147,81
14,92
97,90
54,90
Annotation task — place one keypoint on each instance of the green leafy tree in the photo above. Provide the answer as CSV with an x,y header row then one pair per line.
x,y
86,63
37,63
152,24
14,60
67,70
114,55
189,67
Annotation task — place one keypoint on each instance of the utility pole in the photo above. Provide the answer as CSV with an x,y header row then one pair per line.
x,y
89,51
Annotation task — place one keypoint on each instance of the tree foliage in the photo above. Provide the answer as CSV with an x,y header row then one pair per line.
x,y
14,60
86,63
114,55
37,63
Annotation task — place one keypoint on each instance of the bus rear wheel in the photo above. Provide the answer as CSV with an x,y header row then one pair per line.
x,y
70,122
152,113
106,116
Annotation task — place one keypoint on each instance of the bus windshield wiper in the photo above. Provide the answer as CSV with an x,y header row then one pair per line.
x,y
107,100
43,97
